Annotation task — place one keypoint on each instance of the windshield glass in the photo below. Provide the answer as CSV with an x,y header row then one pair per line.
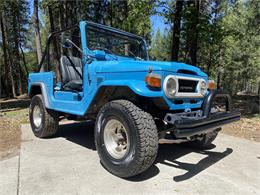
x,y
115,43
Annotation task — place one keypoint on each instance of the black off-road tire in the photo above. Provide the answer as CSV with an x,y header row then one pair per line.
x,y
49,121
205,141
143,138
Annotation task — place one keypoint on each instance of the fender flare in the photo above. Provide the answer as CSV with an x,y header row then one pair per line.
x,y
43,92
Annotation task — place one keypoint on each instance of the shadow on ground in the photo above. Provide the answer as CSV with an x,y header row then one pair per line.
x,y
83,134
15,104
168,155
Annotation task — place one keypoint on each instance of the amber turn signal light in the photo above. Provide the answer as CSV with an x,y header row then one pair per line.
x,y
211,84
153,80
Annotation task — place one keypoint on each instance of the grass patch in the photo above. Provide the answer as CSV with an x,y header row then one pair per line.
x,y
20,115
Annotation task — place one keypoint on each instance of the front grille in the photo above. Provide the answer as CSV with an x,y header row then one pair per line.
x,y
187,86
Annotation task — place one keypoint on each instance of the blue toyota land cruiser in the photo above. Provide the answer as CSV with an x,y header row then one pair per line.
x,y
95,72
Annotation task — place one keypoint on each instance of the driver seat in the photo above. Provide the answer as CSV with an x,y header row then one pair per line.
x,y
71,80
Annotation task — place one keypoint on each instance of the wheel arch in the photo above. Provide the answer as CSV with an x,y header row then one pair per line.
x,y
109,93
153,105
39,88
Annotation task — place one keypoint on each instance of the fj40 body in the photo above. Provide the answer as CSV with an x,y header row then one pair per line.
x,y
107,77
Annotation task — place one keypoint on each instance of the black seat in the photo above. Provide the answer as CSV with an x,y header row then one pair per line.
x,y
71,78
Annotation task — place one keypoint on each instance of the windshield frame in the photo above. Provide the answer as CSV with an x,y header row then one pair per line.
x,y
116,31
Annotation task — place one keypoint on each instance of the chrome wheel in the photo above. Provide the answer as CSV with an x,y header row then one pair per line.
x,y
37,116
116,139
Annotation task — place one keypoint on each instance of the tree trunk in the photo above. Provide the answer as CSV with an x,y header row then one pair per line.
x,y
176,31
61,14
12,81
20,86
101,12
77,11
37,31
9,65
258,91
69,17
24,61
16,29
61,20
219,80
55,49
192,33
111,13
209,63
11,73
7,84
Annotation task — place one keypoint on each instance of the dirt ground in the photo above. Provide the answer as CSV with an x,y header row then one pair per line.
x,y
10,136
12,114
248,128
15,112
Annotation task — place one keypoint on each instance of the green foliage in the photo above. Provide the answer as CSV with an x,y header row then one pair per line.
x,y
239,53
14,16
132,16
228,41
31,60
160,47
227,34
138,18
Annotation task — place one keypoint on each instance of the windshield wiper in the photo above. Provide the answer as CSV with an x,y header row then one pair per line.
x,y
135,57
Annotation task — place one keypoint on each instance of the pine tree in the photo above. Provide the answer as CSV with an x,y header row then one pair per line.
x,y
15,19
37,30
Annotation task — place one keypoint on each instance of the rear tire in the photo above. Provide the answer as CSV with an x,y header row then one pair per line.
x,y
138,134
44,122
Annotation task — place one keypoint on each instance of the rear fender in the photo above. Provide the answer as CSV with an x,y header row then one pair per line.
x,y
43,92
44,81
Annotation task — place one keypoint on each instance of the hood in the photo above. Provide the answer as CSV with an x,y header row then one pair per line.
x,y
144,66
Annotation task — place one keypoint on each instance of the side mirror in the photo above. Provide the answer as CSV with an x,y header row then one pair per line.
x,y
99,54
64,43
67,45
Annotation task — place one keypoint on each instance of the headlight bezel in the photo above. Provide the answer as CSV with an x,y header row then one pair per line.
x,y
201,90
165,86
203,87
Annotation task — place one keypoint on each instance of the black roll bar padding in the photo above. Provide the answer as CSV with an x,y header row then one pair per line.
x,y
207,104
46,51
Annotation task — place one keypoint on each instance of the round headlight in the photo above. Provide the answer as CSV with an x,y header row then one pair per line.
x,y
170,87
203,88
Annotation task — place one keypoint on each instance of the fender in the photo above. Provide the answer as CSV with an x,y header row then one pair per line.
x,y
43,92
137,86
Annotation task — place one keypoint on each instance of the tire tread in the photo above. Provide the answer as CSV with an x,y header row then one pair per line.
x,y
50,121
147,132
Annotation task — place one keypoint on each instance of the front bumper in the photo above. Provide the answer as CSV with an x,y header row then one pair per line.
x,y
202,121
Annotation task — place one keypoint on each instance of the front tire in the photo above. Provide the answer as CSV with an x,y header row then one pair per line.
x,y
126,138
44,123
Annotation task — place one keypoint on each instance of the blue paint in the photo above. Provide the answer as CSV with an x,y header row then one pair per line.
x,y
111,72
67,95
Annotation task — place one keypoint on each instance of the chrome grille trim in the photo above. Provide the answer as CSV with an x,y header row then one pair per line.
x,y
178,94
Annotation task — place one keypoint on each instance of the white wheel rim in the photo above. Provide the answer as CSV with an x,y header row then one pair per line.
x,y
37,116
116,139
